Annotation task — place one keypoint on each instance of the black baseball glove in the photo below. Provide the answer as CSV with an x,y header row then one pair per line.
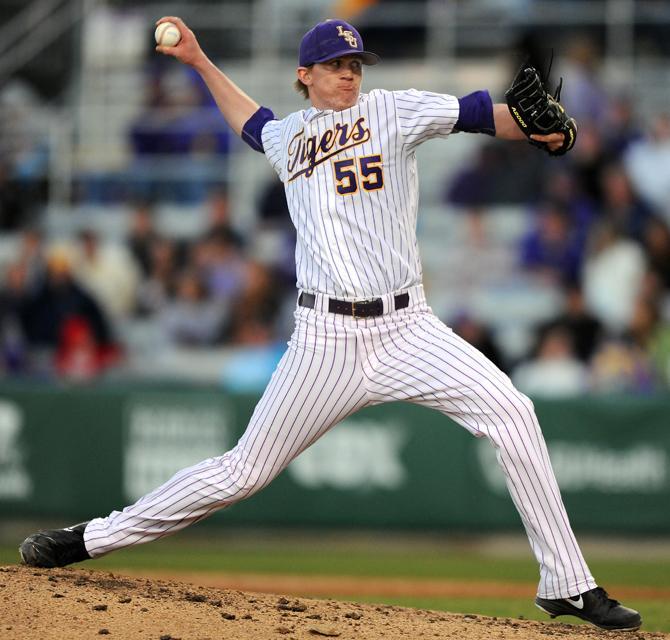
x,y
535,110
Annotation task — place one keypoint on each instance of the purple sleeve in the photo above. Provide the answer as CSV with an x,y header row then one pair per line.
x,y
476,114
251,132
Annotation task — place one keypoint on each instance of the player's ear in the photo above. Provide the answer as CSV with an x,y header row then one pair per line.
x,y
304,74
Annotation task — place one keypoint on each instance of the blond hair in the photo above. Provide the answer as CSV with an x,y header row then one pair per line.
x,y
301,88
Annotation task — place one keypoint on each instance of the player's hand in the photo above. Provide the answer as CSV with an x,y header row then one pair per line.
x,y
187,49
552,140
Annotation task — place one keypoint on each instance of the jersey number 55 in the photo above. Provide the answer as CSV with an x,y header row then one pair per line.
x,y
350,172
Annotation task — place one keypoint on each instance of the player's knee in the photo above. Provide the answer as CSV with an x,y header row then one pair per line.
x,y
245,486
516,409
522,403
248,480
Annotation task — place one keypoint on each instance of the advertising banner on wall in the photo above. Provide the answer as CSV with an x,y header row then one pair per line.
x,y
82,453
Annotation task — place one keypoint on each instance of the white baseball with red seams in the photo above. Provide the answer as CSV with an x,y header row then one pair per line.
x,y
352,190
167,34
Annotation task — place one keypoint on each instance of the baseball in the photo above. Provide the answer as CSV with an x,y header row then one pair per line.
x,y
167,34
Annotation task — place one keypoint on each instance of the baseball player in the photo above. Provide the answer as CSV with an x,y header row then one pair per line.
x,y
364,333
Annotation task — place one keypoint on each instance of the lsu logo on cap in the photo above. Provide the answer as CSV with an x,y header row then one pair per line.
x,y
347,35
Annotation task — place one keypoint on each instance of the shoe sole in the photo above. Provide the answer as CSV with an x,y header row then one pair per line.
x,y
553,615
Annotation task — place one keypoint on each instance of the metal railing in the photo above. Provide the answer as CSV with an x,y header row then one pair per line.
x,y
35,28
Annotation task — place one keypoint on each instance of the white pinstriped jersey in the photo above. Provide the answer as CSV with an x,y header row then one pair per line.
x,y
352,188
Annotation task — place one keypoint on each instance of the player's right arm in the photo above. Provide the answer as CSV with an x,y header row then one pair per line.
x,y
236,106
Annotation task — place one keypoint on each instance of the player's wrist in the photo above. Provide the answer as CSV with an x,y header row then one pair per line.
x,y
201,63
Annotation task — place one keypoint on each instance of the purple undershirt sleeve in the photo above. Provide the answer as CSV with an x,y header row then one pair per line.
x,y
251,132
476,114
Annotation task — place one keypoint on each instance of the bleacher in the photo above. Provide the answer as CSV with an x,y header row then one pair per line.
x,y
453,49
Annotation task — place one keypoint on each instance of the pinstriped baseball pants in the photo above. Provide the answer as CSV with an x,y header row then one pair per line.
x,y
334,366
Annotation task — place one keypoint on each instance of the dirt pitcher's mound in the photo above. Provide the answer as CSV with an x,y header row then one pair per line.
x,y
41,604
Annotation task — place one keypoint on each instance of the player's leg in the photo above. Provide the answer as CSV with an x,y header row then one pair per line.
x,y
426,363
316,384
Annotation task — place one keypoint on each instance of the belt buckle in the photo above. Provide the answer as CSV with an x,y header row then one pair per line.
x,y
363,308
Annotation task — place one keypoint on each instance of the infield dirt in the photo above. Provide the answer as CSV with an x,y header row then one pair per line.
x,y
72,604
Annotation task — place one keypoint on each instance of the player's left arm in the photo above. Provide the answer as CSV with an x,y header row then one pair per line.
x,y
478,114
507,129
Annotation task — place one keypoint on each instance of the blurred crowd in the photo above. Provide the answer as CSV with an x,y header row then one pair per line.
x,y
178,145
24,155
598,233
65,304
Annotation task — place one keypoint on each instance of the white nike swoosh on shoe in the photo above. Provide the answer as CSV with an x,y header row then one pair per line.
x,y
577,604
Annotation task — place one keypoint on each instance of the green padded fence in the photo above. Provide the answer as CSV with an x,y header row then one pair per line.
x,y
76,453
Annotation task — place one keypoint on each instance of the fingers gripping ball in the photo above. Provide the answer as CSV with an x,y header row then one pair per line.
x,y
167,34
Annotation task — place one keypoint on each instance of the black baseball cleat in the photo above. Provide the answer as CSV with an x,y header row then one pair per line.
x,y
596,607
55,547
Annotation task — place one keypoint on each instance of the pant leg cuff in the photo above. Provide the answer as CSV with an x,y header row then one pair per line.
x,y
93,541
570,590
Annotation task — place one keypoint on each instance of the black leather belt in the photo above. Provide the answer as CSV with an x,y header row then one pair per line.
x,y
361,309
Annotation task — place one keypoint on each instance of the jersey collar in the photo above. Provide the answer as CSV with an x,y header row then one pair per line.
x,y
308,115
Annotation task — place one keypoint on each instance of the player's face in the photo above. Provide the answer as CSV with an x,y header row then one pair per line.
x,y
334,84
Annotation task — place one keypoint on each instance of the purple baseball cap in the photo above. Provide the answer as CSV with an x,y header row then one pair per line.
x,y
332,39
